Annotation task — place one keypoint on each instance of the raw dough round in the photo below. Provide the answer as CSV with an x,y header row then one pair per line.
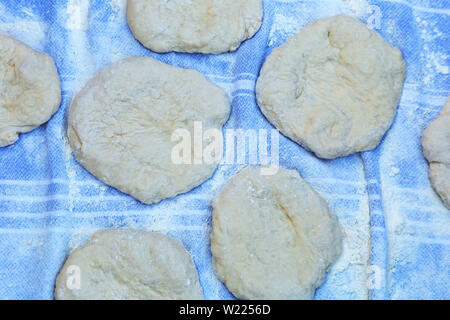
x,y
273,237
436,148
333,87
30,91
205,26
129,265
121,124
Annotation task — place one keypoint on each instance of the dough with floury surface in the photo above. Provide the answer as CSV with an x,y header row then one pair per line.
x,y
202,26
121,125
30,91
129,265
436,148
333,87
273,237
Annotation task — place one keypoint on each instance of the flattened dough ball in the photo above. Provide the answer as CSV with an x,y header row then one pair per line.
x,y
273,237
436,148
333,87
121,126
129,265
30,91
205,26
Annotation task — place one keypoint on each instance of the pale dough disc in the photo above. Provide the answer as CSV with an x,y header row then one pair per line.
x,y
333,87
121,125
273,237
205,26
129,265
30,91
436,148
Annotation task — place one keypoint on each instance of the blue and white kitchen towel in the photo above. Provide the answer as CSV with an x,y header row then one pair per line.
x,y
397,232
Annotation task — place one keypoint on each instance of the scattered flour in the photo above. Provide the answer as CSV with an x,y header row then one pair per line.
x,y
357,7
282,27
435,61
394,171
119,10
78,12
435,64
118,5
78,238
30,30
74,189
428,29
354,261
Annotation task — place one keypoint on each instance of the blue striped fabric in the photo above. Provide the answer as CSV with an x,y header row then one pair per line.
x,y
397,234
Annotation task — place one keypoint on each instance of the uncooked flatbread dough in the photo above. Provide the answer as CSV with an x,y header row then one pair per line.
x,y
129,265
30,91
121,125
333,87
205,26
273,237
436,148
